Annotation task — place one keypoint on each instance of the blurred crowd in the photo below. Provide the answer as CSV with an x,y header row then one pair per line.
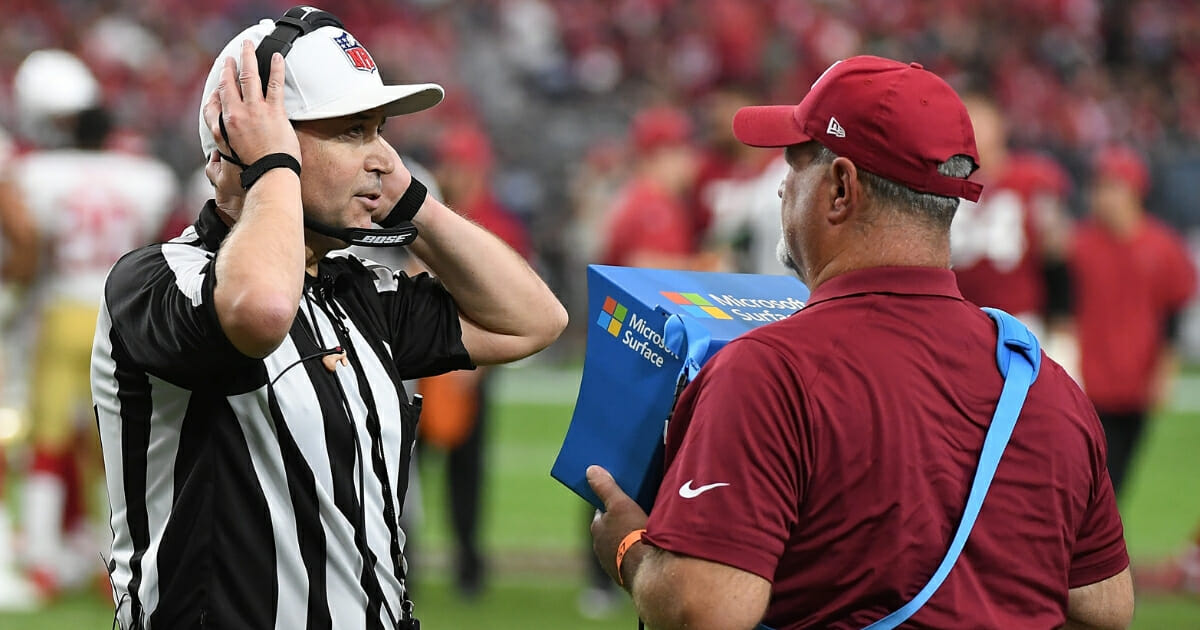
x,y
555,84
600,128
552,81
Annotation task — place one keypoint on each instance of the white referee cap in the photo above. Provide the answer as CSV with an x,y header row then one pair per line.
x,y
327,74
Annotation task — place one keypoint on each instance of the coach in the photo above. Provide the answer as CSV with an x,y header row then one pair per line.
x,y
818,467
247,382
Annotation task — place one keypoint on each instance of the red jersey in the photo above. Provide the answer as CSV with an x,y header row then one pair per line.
x,y
714,167
996,244
1125,289
495,218
831,453
647,219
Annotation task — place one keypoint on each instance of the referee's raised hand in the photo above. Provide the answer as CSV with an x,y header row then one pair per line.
x,y
260,271
254,125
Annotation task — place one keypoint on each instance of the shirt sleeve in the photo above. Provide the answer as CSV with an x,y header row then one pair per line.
x,y
1099,551
1179,275
731,494
426,335
160,300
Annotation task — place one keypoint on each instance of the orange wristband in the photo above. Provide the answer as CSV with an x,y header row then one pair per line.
x,y
626,542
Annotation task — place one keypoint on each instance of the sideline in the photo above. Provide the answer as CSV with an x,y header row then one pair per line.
x,y
536,383
546,384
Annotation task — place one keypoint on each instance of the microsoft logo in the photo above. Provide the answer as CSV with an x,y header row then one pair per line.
x,y
612,316
694,304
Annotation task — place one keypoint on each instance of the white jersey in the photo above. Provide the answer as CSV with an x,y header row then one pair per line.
x,y
91,207
751,207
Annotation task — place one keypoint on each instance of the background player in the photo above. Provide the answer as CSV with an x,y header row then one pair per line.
x,y
90,206
1009,249
1133,277
18,262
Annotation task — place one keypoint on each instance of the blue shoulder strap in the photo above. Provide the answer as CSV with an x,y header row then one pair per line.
x,y
680,330
1019,357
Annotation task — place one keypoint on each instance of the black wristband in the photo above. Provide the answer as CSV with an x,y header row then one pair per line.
x,y
410,202
266,163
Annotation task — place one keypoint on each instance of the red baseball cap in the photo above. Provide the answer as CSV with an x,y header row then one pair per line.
x,y
660,126
465,145
1124,164
898,121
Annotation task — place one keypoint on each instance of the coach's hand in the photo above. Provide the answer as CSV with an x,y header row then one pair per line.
x,y
621,515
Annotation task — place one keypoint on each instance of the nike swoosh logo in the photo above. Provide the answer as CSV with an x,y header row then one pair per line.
x,y
688,492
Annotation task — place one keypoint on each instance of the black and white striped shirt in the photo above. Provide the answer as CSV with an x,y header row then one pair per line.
x,y
260,494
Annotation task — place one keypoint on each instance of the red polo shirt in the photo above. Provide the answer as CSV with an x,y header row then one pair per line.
x,y
847,436
1125,290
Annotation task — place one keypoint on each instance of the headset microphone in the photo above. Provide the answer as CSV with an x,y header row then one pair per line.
x,y
395,230
403,234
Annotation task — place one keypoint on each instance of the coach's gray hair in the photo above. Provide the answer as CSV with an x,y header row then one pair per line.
x,y
936,209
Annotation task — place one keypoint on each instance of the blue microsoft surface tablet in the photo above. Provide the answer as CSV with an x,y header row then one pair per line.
x,y
632,366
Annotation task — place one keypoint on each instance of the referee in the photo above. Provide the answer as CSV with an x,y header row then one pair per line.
x,y
247,381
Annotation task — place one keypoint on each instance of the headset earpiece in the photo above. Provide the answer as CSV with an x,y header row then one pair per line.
x,y
297,22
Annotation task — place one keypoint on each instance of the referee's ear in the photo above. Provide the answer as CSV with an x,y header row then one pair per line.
x,y
214,161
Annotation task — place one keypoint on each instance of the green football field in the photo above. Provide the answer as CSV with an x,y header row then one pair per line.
x,y
535,529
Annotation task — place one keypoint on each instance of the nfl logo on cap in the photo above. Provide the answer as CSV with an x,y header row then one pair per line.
x,y
359,57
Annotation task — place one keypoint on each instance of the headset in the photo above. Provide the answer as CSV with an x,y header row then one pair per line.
x,y
393,230
297,22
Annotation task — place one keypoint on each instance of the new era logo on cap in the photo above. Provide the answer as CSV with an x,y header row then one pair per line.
x,y
835,129
359,57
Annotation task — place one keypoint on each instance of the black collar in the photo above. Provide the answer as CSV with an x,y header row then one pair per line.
x,y
210,227
212,230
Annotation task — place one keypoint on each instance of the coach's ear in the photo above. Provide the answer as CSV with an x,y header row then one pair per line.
x,y
845,190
